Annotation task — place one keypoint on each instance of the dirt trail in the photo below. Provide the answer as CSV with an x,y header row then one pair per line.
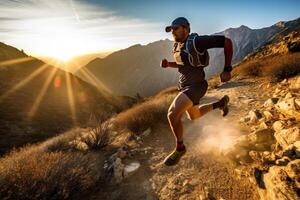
x,y
202,170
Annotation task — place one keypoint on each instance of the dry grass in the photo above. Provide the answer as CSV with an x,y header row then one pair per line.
x,y
33,174
71,164
277,67
148,113
62,167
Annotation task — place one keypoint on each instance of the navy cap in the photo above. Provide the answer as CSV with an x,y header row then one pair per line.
x,y
180,21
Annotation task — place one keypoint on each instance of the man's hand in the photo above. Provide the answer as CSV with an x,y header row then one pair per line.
x,y
225,76
164,63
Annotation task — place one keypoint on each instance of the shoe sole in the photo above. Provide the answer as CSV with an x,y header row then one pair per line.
x,y
175,161
225,109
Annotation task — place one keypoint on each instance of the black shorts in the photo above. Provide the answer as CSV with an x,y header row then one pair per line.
x,y
195,92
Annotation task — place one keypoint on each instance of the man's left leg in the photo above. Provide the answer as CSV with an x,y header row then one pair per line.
x,y
198,111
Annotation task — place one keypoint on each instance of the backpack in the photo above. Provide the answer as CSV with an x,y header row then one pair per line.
x,y
196,58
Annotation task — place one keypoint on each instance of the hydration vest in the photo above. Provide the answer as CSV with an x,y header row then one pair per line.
x,y
195,58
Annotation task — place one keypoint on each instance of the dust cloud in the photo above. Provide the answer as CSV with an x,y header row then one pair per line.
x,y
211,133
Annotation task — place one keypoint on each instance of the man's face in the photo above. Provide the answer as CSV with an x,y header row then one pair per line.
x,y
179,33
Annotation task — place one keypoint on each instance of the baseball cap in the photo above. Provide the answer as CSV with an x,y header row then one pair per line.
x,y
180,21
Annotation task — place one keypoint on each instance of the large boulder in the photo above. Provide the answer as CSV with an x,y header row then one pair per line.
x,y
282,182
288,136
289,106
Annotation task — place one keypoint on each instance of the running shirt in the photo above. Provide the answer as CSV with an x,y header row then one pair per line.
x,y
189,75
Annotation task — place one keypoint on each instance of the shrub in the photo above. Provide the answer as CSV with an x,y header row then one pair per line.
x,y
277,67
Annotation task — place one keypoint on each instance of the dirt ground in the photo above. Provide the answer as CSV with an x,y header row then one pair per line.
x,y
203,171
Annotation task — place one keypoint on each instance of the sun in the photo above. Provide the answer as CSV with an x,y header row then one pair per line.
x,y
60,40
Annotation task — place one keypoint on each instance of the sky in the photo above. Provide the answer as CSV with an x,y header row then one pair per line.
x,y
66,28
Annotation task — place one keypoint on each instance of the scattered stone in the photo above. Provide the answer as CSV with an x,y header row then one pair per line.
x,y
278,126
271,102
288,95
254,115
130,168
245,119
288,107
268,115
146,132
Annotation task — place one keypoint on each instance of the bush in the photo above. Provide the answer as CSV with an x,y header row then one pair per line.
x,y
146,114
31,174
277,67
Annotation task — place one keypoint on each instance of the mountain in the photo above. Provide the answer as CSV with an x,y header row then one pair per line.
x,y
79,60
247,40
38,100
138,65
135,69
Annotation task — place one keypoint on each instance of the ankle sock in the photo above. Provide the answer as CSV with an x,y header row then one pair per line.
x,y
180,145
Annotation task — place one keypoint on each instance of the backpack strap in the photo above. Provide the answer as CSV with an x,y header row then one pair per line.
x,y
196,58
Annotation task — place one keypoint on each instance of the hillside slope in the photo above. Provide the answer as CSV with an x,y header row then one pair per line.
x,y
38,100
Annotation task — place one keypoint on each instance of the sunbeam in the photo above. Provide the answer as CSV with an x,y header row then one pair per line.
x,y
16,61
71,98
92,79
41,94
24,82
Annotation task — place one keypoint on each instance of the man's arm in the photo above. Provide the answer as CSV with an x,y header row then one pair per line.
x,y
164,63
228,51
172,64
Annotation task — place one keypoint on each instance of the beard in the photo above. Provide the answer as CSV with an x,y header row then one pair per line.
x,y
176,38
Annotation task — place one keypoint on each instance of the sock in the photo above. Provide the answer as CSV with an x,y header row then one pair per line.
x,y
180,145
218,104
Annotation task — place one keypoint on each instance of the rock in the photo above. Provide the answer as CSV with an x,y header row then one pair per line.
x,y
277,90
264,157
297,149
255,155
146,132
284,82
281,182
130,168
271,102
296,85
262,136
286,137
288,95
254,115
245,119
268,115
262,125
292,151
288,107
268,157
283,161
122,153
278,126
118,167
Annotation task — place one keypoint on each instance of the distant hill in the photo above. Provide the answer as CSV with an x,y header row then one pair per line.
x,y
79,60
35,101
136,69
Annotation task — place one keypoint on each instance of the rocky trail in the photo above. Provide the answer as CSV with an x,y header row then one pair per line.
x,y
205,171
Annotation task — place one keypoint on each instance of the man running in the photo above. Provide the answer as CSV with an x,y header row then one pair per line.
x,y
192,84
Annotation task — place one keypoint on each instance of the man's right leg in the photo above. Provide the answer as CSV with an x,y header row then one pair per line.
x,y
179,105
